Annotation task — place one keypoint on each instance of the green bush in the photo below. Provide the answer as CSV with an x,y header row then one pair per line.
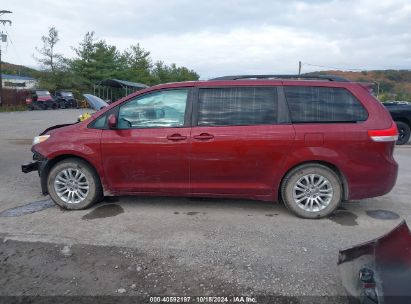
x,y
13,108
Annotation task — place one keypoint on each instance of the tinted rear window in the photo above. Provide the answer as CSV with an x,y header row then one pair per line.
x,y
322,104
237,106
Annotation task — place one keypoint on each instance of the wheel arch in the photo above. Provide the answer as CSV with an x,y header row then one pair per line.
x,y
45,170
404,120
334,168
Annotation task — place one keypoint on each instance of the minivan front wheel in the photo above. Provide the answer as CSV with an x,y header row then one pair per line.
x,y
311,191
74,184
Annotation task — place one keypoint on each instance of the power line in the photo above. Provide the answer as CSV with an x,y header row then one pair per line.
x,y
330,67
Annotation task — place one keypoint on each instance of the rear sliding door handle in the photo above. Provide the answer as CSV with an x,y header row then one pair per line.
x,y
204,136
175,137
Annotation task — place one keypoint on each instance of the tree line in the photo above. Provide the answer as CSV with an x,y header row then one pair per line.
x,y
96,60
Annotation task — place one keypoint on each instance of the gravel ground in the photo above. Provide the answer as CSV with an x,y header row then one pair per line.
x,y
149,246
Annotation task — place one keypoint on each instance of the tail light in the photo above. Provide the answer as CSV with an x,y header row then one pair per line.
x,y
390,134
28,100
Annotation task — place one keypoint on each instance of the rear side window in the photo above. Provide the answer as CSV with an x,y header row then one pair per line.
x,y
237,106
322,104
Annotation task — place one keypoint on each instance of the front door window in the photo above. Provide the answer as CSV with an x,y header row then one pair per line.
x,y
156,110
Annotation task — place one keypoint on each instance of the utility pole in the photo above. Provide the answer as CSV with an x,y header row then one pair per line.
x,y
3,38
1,77
299,69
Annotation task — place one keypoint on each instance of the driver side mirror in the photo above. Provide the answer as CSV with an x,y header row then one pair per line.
x,y
112,121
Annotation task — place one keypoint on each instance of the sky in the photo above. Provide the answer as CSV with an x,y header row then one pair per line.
x,y
223,37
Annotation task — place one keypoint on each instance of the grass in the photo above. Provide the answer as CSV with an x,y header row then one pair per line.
x,y
13,108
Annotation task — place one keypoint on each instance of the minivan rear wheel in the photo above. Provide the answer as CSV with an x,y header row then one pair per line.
x,y
311,191
74,184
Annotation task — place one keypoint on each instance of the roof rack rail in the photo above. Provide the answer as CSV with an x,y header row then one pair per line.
x,y
322,77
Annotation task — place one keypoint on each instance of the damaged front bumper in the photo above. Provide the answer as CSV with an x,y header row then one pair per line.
x,y
39,164
379,271
31,166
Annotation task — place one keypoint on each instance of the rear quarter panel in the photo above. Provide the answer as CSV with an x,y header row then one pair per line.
x,y
367,166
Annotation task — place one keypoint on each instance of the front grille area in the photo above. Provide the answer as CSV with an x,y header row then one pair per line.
x,y
37,156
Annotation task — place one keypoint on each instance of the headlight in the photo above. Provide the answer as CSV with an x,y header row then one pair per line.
x,y
40,139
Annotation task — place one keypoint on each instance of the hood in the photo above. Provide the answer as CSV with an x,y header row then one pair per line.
x,y
44,98
55,127
95,102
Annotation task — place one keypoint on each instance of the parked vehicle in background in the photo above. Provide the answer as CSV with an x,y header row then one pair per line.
x,y
40,99
313,143
401,114
65,99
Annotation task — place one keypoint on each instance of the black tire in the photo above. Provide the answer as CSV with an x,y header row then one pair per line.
x,y
95,191
404,133
334,185
40,105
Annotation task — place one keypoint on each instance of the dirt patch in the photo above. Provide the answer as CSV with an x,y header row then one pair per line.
x,y
192,213
104,211
28,208
21,141
382,214
344,218
51,269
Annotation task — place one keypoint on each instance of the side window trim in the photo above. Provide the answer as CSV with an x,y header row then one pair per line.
x,y
282,107
189,107
194,115
283,116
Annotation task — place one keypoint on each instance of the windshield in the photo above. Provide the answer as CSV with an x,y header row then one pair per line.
x,y
43,93
67,94
95,102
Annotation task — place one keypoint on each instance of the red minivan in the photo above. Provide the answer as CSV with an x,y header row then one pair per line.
x,y
312,142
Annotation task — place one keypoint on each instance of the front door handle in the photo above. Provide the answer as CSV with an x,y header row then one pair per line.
x,y
176,136
204,136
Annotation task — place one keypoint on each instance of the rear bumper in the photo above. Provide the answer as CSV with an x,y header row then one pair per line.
x,y
376,181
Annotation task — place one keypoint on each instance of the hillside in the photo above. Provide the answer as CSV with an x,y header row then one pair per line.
x,y
394,84
14,69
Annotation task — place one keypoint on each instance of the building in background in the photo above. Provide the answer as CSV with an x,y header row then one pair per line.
x,y
18,82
